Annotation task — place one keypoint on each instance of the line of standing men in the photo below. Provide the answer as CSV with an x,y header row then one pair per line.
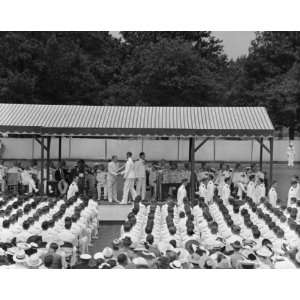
x,y
134,172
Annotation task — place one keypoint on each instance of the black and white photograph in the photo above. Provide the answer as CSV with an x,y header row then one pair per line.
x,y
149,149
136,147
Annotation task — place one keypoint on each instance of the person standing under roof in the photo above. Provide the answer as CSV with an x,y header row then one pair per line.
x,y
129,176
112,174
140,173
291,155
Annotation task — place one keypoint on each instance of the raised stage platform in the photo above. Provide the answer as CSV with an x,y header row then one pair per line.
x,y
114,212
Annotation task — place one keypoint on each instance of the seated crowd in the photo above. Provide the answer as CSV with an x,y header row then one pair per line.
x,y
237,231
41,232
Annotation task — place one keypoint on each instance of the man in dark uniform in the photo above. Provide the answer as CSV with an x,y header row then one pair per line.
x,y
79,171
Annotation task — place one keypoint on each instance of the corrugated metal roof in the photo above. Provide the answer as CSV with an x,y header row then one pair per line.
x,y
134,120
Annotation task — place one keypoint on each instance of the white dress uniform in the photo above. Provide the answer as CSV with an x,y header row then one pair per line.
x,y
129,176
291,155
73,189
241,189
272,195
112,181
251,190
210,190
203,191
292,194
3,170
27,180
225,193
298,191
140,174
260,191
181,193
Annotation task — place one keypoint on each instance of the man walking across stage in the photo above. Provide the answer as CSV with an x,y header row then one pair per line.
x,y
140,174
129,176
112,179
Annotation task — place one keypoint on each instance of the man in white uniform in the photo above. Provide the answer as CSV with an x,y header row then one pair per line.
x,y
260,191
272,195
251,187
27,180
112,174
291,155
73,188
292,192
226,190
3,171
140,174
129,176
203,189
210,188
181,193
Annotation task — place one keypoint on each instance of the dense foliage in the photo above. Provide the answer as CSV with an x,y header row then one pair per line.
x,y
151,68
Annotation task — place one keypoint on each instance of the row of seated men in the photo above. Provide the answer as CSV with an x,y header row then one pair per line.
x,y
237,234
39,225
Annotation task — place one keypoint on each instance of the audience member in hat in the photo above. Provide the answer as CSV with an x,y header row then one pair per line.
x,y
19,259
107,253
236,257
83,262
34,262
140,263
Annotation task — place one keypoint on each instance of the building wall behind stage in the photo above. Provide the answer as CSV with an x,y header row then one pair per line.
x,y
102,149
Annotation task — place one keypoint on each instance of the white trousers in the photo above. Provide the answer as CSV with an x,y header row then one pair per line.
x,y
31,185
112,190
141,187
290,162
128,187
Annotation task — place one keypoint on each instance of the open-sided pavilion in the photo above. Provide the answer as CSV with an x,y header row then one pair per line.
x,y
43,122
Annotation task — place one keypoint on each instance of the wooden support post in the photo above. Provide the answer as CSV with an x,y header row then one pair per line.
x,y
42,165
271,160
261,154
48,160
59,149
201,144
192,163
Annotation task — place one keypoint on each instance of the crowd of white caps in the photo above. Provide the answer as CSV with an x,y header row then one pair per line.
x,y
54,233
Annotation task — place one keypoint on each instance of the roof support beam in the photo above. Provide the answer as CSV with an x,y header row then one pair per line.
x,y
41,143
271,140
261,142
192,166
48,160
42,165
201,144
59,148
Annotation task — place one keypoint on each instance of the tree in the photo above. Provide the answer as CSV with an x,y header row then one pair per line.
x,y
169,68
57,67
270,76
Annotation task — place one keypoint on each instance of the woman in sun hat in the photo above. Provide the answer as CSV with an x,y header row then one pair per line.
x,y
34,262
19,258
